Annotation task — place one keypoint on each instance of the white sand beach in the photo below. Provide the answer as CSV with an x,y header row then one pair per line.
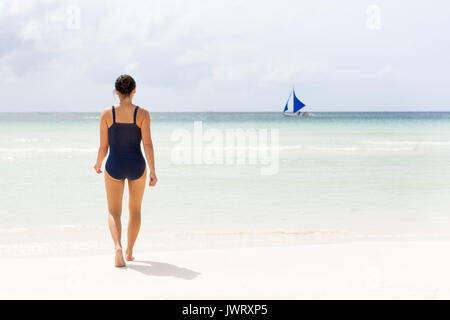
x,y
350,270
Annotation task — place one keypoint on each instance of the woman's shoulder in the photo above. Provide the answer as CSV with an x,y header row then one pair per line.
x,y
107,110
142,115
106,114
143,112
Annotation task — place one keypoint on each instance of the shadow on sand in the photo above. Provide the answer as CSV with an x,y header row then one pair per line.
x,y
161,269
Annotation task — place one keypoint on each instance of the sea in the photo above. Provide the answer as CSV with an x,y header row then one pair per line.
x,y
228,179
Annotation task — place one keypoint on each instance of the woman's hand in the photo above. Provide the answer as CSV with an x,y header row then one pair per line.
x,y
153,179
98,167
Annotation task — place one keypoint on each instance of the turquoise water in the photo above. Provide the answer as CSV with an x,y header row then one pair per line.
x,y
356,173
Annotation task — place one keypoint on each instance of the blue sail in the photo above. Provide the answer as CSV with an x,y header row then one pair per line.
x,y
287,102
297,103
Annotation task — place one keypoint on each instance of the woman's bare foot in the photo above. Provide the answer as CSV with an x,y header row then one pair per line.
x,y
129,255
120,263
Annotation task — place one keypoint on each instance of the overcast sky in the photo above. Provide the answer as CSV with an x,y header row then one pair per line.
x,y
226,55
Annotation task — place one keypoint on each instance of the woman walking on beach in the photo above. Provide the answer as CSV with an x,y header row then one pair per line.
x,y
122,128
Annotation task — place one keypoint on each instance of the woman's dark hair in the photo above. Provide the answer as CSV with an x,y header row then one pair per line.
x,y
125,84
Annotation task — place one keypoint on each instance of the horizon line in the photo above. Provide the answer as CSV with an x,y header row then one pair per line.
x,y
210,111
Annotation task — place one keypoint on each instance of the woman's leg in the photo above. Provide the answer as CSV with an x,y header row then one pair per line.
x,y
114,194
136,189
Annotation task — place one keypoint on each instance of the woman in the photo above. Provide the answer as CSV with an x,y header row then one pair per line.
x,y
122,128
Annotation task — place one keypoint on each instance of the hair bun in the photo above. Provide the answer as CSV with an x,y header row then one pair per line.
x,y
125,84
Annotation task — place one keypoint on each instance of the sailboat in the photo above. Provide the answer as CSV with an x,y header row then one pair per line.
x,y
297,105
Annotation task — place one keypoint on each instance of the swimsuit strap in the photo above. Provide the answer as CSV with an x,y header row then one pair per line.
x,y
114,115
135,112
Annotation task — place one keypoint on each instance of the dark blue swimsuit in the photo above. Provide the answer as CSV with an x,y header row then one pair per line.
x,y
125,159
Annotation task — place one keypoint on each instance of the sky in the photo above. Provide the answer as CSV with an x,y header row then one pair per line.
x,y
233,55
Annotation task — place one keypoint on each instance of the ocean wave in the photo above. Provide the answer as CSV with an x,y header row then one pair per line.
x,y
7,158
67,228
49,229
272,232
53,248
359,149
394,142
31,140
284,148
73,240
54,150
9,154
317,235
44,236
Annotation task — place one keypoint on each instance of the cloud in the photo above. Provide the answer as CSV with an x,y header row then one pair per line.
x,y
242,53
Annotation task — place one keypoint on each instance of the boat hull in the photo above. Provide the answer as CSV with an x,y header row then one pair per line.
x,y
298,114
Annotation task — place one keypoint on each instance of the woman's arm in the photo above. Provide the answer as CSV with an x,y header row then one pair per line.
x,y
148,147
104,143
